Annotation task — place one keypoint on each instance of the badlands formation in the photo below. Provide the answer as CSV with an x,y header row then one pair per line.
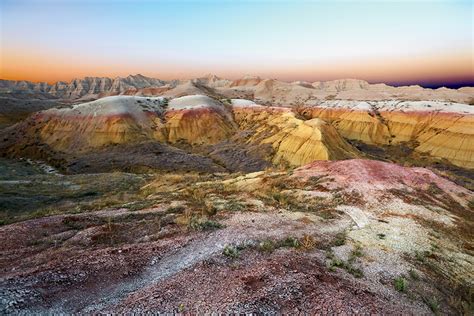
x,y
430,122
140,195
271,135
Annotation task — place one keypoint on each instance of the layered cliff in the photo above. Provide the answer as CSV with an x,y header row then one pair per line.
x,y
295,142
247,130
86,88
441,129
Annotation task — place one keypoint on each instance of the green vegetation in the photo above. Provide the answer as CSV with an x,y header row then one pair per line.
x,y
414,275
339,239
290,242
433,304
335,262
356,253
230,252
235,206
266,246
26,191
400,284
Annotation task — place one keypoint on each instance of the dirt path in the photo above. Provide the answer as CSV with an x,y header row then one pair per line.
x,y
239,228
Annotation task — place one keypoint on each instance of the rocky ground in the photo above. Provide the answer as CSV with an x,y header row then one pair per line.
x,y
353,236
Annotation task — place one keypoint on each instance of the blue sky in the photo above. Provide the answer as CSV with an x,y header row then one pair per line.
x,y
275,38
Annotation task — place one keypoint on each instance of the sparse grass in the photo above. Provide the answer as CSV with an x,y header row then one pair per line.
x,y
139,205
235,206
38,194
335,262
433,304
414,275
339,239
400,284
355,253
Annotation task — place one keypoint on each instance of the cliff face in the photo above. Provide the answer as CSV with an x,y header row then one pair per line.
x,y
295,142
196,121
443,130
440,129
108,121
88,87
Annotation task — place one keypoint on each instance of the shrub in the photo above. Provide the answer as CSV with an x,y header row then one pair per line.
x,y
356,272
339,239
208,225
266,246
400,284
471,204
356,252
434,189
414,275
235,206
290,242
230,252
433,304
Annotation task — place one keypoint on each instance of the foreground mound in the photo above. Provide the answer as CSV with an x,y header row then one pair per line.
x,y
354,236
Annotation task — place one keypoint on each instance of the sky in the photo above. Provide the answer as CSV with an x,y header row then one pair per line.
x,y
396,42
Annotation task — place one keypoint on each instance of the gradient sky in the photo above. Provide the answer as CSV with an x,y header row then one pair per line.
x,y
426,42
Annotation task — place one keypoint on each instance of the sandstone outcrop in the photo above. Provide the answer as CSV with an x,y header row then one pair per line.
x,y
235,131
295,142
441,129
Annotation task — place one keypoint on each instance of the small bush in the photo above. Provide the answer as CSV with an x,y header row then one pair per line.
x,y
400,284
235,206
356,272
230,252
339,239
356,252
433,304
414,275
290,242
209,225
266,246
471,204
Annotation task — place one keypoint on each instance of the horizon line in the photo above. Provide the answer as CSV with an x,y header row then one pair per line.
x,y
428,84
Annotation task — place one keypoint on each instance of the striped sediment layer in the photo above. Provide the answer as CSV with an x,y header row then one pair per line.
x,y
443,130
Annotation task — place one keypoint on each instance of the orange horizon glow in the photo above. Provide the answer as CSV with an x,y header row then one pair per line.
x,y
395,42
37,67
